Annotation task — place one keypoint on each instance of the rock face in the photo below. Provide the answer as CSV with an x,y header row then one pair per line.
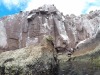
x,y
28,28
32,60
25,32
44,60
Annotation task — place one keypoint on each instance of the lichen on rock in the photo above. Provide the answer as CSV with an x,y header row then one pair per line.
x,y
32,60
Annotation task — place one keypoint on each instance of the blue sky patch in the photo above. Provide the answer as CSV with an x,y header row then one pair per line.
x,y
5,11
91,4
77,7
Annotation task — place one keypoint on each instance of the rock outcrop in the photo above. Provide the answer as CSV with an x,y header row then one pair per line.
x,y
44,60
78,37
32,60
28,28
81,63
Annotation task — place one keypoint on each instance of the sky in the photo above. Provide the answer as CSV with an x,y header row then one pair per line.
x,y
77,7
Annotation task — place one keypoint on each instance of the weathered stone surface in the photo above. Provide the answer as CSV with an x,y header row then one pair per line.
x,y
27,28
44,60
81,63
32,60
76,37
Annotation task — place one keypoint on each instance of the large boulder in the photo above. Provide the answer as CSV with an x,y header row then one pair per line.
x,y
32,60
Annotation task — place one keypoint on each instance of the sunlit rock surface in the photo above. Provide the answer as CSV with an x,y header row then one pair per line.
x,y
28,28
74,50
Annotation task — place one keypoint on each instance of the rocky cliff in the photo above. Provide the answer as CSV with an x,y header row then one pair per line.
x,y
78,37
28,28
